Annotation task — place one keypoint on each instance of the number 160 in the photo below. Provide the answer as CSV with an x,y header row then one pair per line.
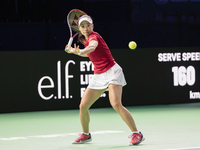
x,y
183,75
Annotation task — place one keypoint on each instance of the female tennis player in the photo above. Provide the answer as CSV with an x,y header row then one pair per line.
x,y
107,75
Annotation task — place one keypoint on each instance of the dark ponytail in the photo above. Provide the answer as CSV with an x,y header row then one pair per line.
x,y
81,38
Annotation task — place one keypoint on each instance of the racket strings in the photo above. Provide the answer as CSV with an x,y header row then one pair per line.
x,y
73,20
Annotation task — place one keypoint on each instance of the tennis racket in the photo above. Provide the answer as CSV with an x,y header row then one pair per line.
x,y
72,21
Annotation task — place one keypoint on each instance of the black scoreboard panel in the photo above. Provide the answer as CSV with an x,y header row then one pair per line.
x,y
55,80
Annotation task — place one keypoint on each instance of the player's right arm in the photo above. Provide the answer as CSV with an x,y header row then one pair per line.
x,y
90,48
74,50
83,53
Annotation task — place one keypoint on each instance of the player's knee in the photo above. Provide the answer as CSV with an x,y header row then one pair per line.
x,y
116,106
83,107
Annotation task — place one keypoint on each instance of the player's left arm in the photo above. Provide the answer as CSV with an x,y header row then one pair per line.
x,y
90,48
83,52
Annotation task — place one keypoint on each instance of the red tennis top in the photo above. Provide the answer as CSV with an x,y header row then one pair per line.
x,y
101,57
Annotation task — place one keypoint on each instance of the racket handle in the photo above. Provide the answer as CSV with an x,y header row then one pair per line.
x,y
69,43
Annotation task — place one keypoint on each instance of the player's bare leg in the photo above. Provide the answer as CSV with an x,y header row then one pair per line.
x,y
89,97
115,94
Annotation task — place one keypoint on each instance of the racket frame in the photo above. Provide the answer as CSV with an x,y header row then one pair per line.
x,y
70,29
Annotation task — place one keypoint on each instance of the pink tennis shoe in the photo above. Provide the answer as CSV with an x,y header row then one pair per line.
x,y
136,138
83,138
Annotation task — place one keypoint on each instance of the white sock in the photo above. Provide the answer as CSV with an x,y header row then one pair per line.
x,y
86,133
135,132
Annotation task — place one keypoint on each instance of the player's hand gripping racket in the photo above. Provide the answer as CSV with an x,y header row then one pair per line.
x,y
72,21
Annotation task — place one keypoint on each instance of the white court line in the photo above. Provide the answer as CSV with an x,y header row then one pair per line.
x,y
188,148
55,135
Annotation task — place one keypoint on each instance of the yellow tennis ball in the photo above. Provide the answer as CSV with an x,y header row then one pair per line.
x,y
132,45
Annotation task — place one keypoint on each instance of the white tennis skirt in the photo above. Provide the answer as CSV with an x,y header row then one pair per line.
x,y
114,75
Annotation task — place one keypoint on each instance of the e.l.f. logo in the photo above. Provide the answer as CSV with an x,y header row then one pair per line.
x,y
51,85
